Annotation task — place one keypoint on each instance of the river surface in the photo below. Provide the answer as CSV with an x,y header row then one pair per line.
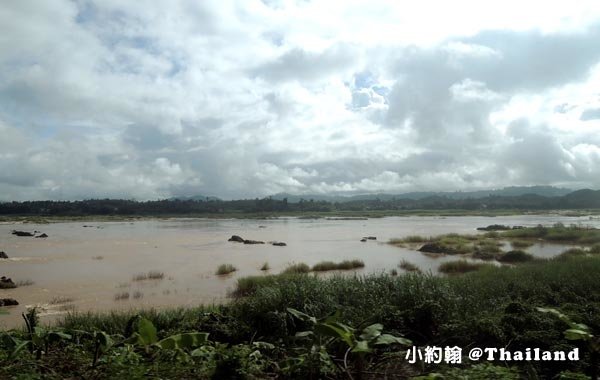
x,y
85,268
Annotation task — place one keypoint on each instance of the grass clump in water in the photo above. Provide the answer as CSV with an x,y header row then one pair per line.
x,y
224,269
521,244
459,266
60,300
121,296
296,269
408,266
575,234
24,283
344,265
265,267
152,275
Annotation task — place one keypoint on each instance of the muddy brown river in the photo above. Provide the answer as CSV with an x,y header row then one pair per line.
x,y
85,268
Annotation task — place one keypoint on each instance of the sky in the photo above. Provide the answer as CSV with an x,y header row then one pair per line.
x,y
243,99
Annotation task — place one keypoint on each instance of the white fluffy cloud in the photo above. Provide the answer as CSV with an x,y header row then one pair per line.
x,y
248,98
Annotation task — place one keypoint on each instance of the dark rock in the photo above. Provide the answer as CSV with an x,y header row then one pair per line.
x,y
432,248
253,242
42,236
8,302
6,283
236,238
21,233
363,240
371,237
279,243
3,255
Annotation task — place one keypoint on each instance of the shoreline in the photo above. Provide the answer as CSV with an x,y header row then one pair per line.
x,y
334,215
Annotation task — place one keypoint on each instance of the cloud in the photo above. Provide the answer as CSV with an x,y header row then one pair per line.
x,y
249,98
590,114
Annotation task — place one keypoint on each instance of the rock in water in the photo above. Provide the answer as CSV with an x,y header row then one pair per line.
x,y
42,236
236,238
432,248
253,242
8,302
279,243
21,233
3,255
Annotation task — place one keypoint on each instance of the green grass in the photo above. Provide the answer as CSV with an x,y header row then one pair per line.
x,y
408,266
296,269
573,234
491,307
414,239
344,265
459,266
515,256
248,285
225,269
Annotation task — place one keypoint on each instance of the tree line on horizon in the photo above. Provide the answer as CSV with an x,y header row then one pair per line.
x,y
581,199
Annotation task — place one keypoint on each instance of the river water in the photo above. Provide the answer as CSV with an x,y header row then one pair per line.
x,y
84,268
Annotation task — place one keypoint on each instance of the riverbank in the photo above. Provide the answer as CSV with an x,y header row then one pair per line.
x,y
41,219
254,336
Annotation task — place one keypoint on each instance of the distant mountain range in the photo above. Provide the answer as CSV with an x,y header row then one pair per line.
x,y
512,191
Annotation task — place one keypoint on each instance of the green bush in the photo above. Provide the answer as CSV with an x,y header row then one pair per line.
x,y
459,266
515,257
225,269
296,269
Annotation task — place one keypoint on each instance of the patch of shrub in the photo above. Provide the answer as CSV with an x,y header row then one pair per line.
x,y
515,256
296,268
224,269
459,266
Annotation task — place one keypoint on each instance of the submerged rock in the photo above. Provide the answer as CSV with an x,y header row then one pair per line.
x,y
42,236
21,233
253,242
8,302
278,243
236,238
363,240
432,248
3,255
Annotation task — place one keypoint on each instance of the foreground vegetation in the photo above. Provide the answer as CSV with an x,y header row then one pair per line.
x,y
302,326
